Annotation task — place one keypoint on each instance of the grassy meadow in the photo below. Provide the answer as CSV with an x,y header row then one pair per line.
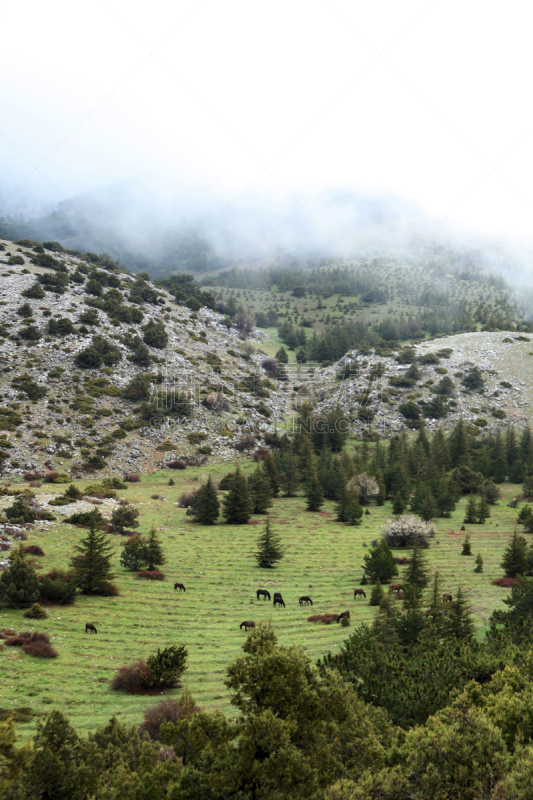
x,y
217,565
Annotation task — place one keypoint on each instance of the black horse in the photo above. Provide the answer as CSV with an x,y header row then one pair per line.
x,y
89,628
179,586
247,625
344,615
278,599
263,593
305,600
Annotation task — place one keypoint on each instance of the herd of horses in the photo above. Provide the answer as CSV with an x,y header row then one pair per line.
x,y
304,600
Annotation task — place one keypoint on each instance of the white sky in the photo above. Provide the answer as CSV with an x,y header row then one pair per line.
x,y
430,101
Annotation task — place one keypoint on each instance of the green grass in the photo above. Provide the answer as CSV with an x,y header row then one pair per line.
x,y
217,565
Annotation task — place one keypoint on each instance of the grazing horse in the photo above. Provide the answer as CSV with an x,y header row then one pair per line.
x,y
305,600
247,625
278,599
344,615
89,628
447,597
179,586
395,587
263,593
358,593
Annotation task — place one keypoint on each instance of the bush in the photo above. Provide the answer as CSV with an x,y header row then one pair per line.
x,y
57,587
260,454
132,679
33,550
20,513
138,388
132,477
151,574
155,335
405,530
35,612
185,499
87,518
61,327
168,710
247,442
89,358
506,582
15,260
177,464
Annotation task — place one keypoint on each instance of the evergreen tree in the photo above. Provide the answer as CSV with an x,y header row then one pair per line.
x,y
92,565
153,551
382,494
261,491
314,493
416,572
354,512
471,510
289,470
205,506
483,510
125,517
270,468
19,584
515,557
269,547
467,547
383,627
436,592
429,509
282,356
133,556
379,563
459,623
238,504
445,501
398,506
479,563
377,594
343,499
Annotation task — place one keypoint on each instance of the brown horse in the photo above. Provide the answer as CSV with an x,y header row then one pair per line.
x,y
263,593
358,593
247,625
344,615
396,587
278,599
305,600
447,597
179,586
89,628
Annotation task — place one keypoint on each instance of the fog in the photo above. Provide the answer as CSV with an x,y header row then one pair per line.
x,y
324,127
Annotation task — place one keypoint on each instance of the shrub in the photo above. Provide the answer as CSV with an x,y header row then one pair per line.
x,y
365,486
167,665
57,587
61,327
177,464
35,612
33,550
35,292
247,442
151,574
168,710
406,529
498,413
185,499
216,401
108,589
89,358
87,518
19,513
132,477
260,454
155,335
132,679
505,582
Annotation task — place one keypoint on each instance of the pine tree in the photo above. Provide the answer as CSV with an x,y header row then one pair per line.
x,y
471,509
416,572
314,493
382,494
354,512
205,507
436,593
270,468
479,563
92,567
459,623
379,563
429,509
467,547
483,510
515,557
289,470
19,584
377,594
282,356
269,547
261,491
133,557
342,504
125,517
153,551
238,504
383,626
398,506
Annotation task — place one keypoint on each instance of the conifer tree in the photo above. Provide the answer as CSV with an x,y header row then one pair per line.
x,y
282,356
92,565
314,493
398,506
382,494
342,504
377,594
459,623
238,504
515,559
483,510
416,572
379,563
436,592
19,584
153,551
269,548
383,626
133,557
429,509
354,512
270,468
261,491
467,547
479,563
471,510
205,506
289,470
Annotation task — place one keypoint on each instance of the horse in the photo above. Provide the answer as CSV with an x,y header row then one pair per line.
x,y
263,593
358,593
247,625
89,627
344,615
278,599
447,597
304,599
179,586
396,587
